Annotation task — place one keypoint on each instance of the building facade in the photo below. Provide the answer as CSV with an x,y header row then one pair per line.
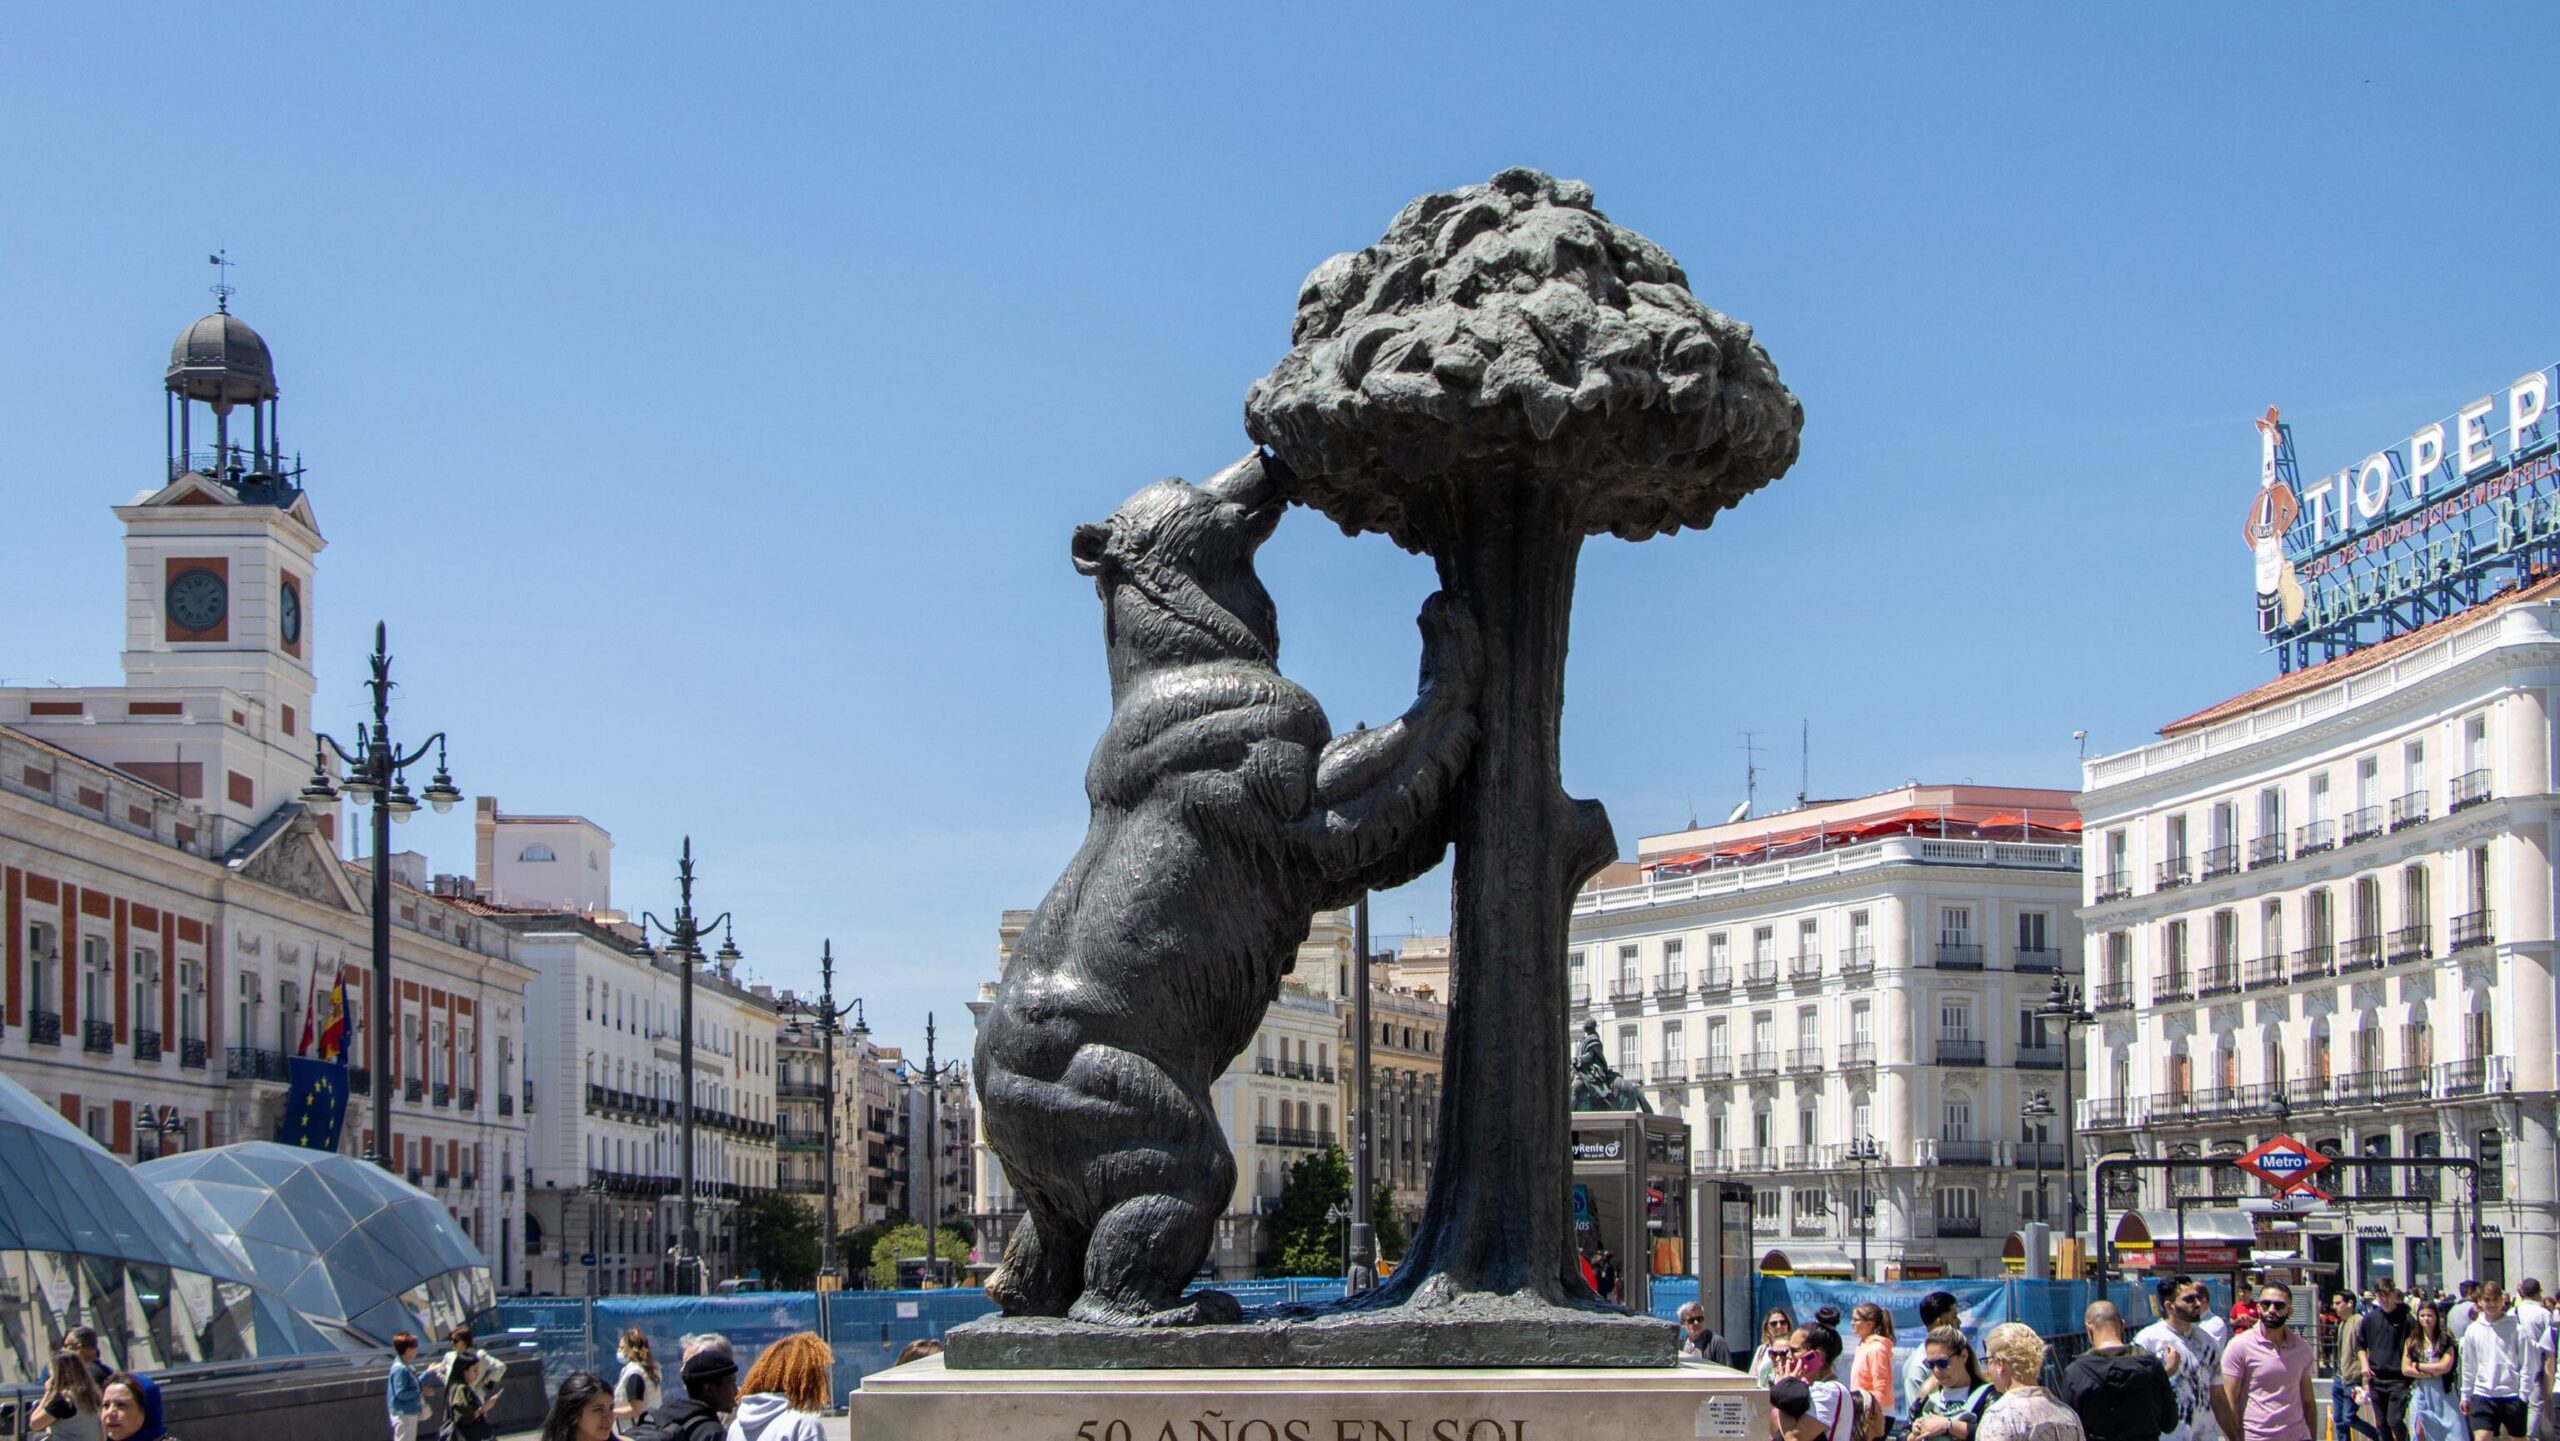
x,y
177,920
1862,971
2323,909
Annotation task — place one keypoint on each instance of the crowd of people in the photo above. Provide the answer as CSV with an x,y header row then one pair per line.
x,y
2477,1368
85,1399
782,1397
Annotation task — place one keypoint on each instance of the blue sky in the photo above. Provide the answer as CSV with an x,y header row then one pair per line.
x,y
704,395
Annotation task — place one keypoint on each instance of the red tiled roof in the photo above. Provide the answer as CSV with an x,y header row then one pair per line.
x,y
2357,663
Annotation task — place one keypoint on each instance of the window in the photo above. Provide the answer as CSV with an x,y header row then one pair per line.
x,y
2114,850
1862,1024
2173,949
1675,965
2475,743
1573,969
2120,1072
2476,872
145,975
1764,947
2173,837
1627,970
1719,955
2226,940
2271,811
1764,1206
2319,797
1808,937
2032,934
2226,1064
2222,826
2413,769
1959,1203
1675,1047
2365,908
1764,1129
537,852
2478,1039
44,966
1862,1116
1861,931
190,1001
1809,1125
1628,1055
1717,1046
1809,1032
2318,925
2368,781
2414,910
1955,1118
2418,1039
2272,1056
1955,925
1764,1032
96,981
2315,1052
1955,1020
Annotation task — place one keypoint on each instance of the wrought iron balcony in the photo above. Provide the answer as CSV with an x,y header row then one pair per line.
x,y
2314,962
2409,810
1965,1153
2028,1155
2411,943
1958,1227
44,1028
506,1104
2112,996
191,1054
249,1063
2353,1088
2315,836
1857,960
468,1097
1956,956
2474,928
146,1045
2223,860
2403,1083
1291,1136
413,1091
2474,1077
2306,1091
2363,824
98,1038
2040,1058
1756,1158
1805,967
800,1090
442,1094
2172,873
1627,988
1858,1056
1672,986
2267,850
2036,958
2470,788
2171,985
1759,1063
1579,994
1760,971
2113,1113
1959,1051
1715,1066
1715,978
1805,1058
2171,1105
1799,1157
2218,979
2262,973
2359,953
2111,886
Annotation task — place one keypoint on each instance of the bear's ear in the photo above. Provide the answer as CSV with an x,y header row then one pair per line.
x,y
1091,545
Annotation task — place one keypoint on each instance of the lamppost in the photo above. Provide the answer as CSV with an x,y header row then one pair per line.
x,y
375,776
1360,1252
829,1015
684,941
2062,1007
1338,1214
931,1077
1863,1153
2037,1113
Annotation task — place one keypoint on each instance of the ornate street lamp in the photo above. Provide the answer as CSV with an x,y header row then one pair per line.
x,y
1863,1153
931,1077
684,942
829,1015
2037,1113
376,776
2062,1007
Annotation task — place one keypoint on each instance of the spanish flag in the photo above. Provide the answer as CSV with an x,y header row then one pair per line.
x,y
333,1036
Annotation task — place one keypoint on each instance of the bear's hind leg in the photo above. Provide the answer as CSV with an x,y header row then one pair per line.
x,y
1043,1266
1131,1276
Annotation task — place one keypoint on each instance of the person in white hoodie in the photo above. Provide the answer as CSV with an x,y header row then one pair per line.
x,y
785,1392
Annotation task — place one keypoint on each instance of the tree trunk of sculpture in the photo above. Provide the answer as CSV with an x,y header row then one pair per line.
x,y
1499,1218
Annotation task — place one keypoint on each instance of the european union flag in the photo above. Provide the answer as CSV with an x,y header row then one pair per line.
x,y
315,1104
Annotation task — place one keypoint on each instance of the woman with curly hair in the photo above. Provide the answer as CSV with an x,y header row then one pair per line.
x,y
2013,1361
785,1392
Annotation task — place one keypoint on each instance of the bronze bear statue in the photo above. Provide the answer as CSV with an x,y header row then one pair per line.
x,y
1224,815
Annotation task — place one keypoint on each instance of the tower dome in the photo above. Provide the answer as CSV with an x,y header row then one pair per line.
x,y
221,361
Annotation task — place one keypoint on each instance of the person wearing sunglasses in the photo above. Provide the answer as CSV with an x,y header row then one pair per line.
x,y
1950,1403
2193,1356
2266,1374
1768,1365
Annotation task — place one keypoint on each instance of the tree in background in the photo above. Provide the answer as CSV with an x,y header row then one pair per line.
x,y
778,1237
1301,1241
906,1242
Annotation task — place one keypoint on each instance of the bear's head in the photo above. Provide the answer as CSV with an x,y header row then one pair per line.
x,y
1174,566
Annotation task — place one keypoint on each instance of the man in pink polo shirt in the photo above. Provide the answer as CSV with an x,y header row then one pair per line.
x,y
2266,1374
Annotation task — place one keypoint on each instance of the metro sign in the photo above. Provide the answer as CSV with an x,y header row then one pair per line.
x,y
2284,1163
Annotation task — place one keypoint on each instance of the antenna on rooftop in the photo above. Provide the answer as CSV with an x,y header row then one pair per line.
x,y
1750,771
223,289
1804,752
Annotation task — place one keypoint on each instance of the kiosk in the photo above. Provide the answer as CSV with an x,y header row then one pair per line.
x,y
1631,1197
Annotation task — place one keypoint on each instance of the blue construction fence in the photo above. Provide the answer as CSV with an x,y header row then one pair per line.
x,y
866,1329
2052,1308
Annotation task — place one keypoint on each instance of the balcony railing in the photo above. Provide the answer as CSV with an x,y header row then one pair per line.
x,y
2473,1077
1857,960
506,1104
2469,789
2409,810
442,1095
2040,1058
1715,1066
2267,850
2113,1113
44,1028
2412,943
2113,996
249,1063
2172,873
1712,979
1805,1058
2220,978
1759,1063
1672,986
2359,953
1959,1051
1760,972
98,1037
146,1045
2111,886
2402,1083
2474,928
1796,1158
1624,988
1805,968
2314,962
1858,1056
1958,1227
1966,1153
2028,1155
2315,836
413,1091
1957,955
1306,1140
2363,824
2171,985
2172,1105
2262,972
191,1054
468,1097
1756,1158
2220,861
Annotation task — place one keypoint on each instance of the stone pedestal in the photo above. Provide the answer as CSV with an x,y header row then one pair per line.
x,y
924,1401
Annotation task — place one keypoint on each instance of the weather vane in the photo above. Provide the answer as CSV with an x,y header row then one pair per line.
x,y
223,290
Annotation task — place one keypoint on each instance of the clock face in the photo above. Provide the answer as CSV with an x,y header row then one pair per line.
x,y
289,613
197,599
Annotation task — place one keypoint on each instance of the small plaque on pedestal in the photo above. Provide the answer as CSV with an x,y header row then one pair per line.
x,y
1691,1401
